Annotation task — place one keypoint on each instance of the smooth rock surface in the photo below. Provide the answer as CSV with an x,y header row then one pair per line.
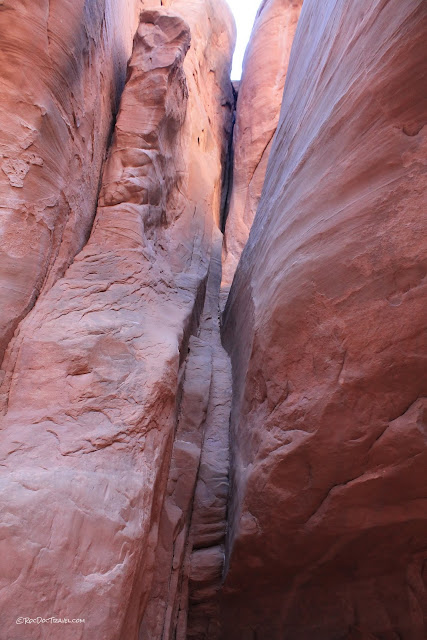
x,y
326,326
257,114
92,378
62,71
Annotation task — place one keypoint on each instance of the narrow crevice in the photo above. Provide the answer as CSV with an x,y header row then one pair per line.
x,y
209,510
227,182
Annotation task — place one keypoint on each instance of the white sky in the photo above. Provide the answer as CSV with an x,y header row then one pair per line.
x,y
244,13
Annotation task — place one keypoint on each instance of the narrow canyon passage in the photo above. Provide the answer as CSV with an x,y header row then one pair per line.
x,y
213,321
190,557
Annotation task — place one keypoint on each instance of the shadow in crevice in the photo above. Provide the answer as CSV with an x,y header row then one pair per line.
x,y
227,180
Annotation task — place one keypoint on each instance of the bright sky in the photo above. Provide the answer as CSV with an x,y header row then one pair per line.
x,y
244,14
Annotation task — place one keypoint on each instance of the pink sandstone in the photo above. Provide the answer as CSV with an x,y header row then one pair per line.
x,y
62,70
257,114
326,326
126,498
93,375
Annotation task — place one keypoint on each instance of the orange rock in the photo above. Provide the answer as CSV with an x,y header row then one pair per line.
x,y
115,453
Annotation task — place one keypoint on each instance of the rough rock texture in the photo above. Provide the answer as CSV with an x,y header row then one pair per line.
x,y
92,377
326,325
208,524
257,114
116,390
194,512
190,557
62,70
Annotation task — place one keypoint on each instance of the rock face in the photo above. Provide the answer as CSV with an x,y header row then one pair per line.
x,y
93,377
326,325
184,601
56,116
127,501
257,114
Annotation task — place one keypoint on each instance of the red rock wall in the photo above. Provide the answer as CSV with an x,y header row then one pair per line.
x,y
115,388
93,378
184,600
326,326
257,114
62,70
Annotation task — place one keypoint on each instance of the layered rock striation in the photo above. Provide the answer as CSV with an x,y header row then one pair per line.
x,y
257,115
127,500
62,71
326,326
93,377
184,600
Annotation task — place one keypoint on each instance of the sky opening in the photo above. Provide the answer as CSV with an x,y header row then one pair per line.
x,y
244,14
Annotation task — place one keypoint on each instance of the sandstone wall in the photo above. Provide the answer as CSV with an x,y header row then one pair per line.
x,y
126,500
326,328
93,378
62,70
257,114
190,555
184,599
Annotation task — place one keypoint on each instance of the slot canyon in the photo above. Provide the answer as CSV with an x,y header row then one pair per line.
x,y
213,321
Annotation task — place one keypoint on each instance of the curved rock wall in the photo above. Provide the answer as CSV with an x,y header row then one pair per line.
x,y
62,70
190,555
257,114
94,375
126,499
326,326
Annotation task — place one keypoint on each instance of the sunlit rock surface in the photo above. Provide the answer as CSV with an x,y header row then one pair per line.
x,y
92,377
258,108
62,70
